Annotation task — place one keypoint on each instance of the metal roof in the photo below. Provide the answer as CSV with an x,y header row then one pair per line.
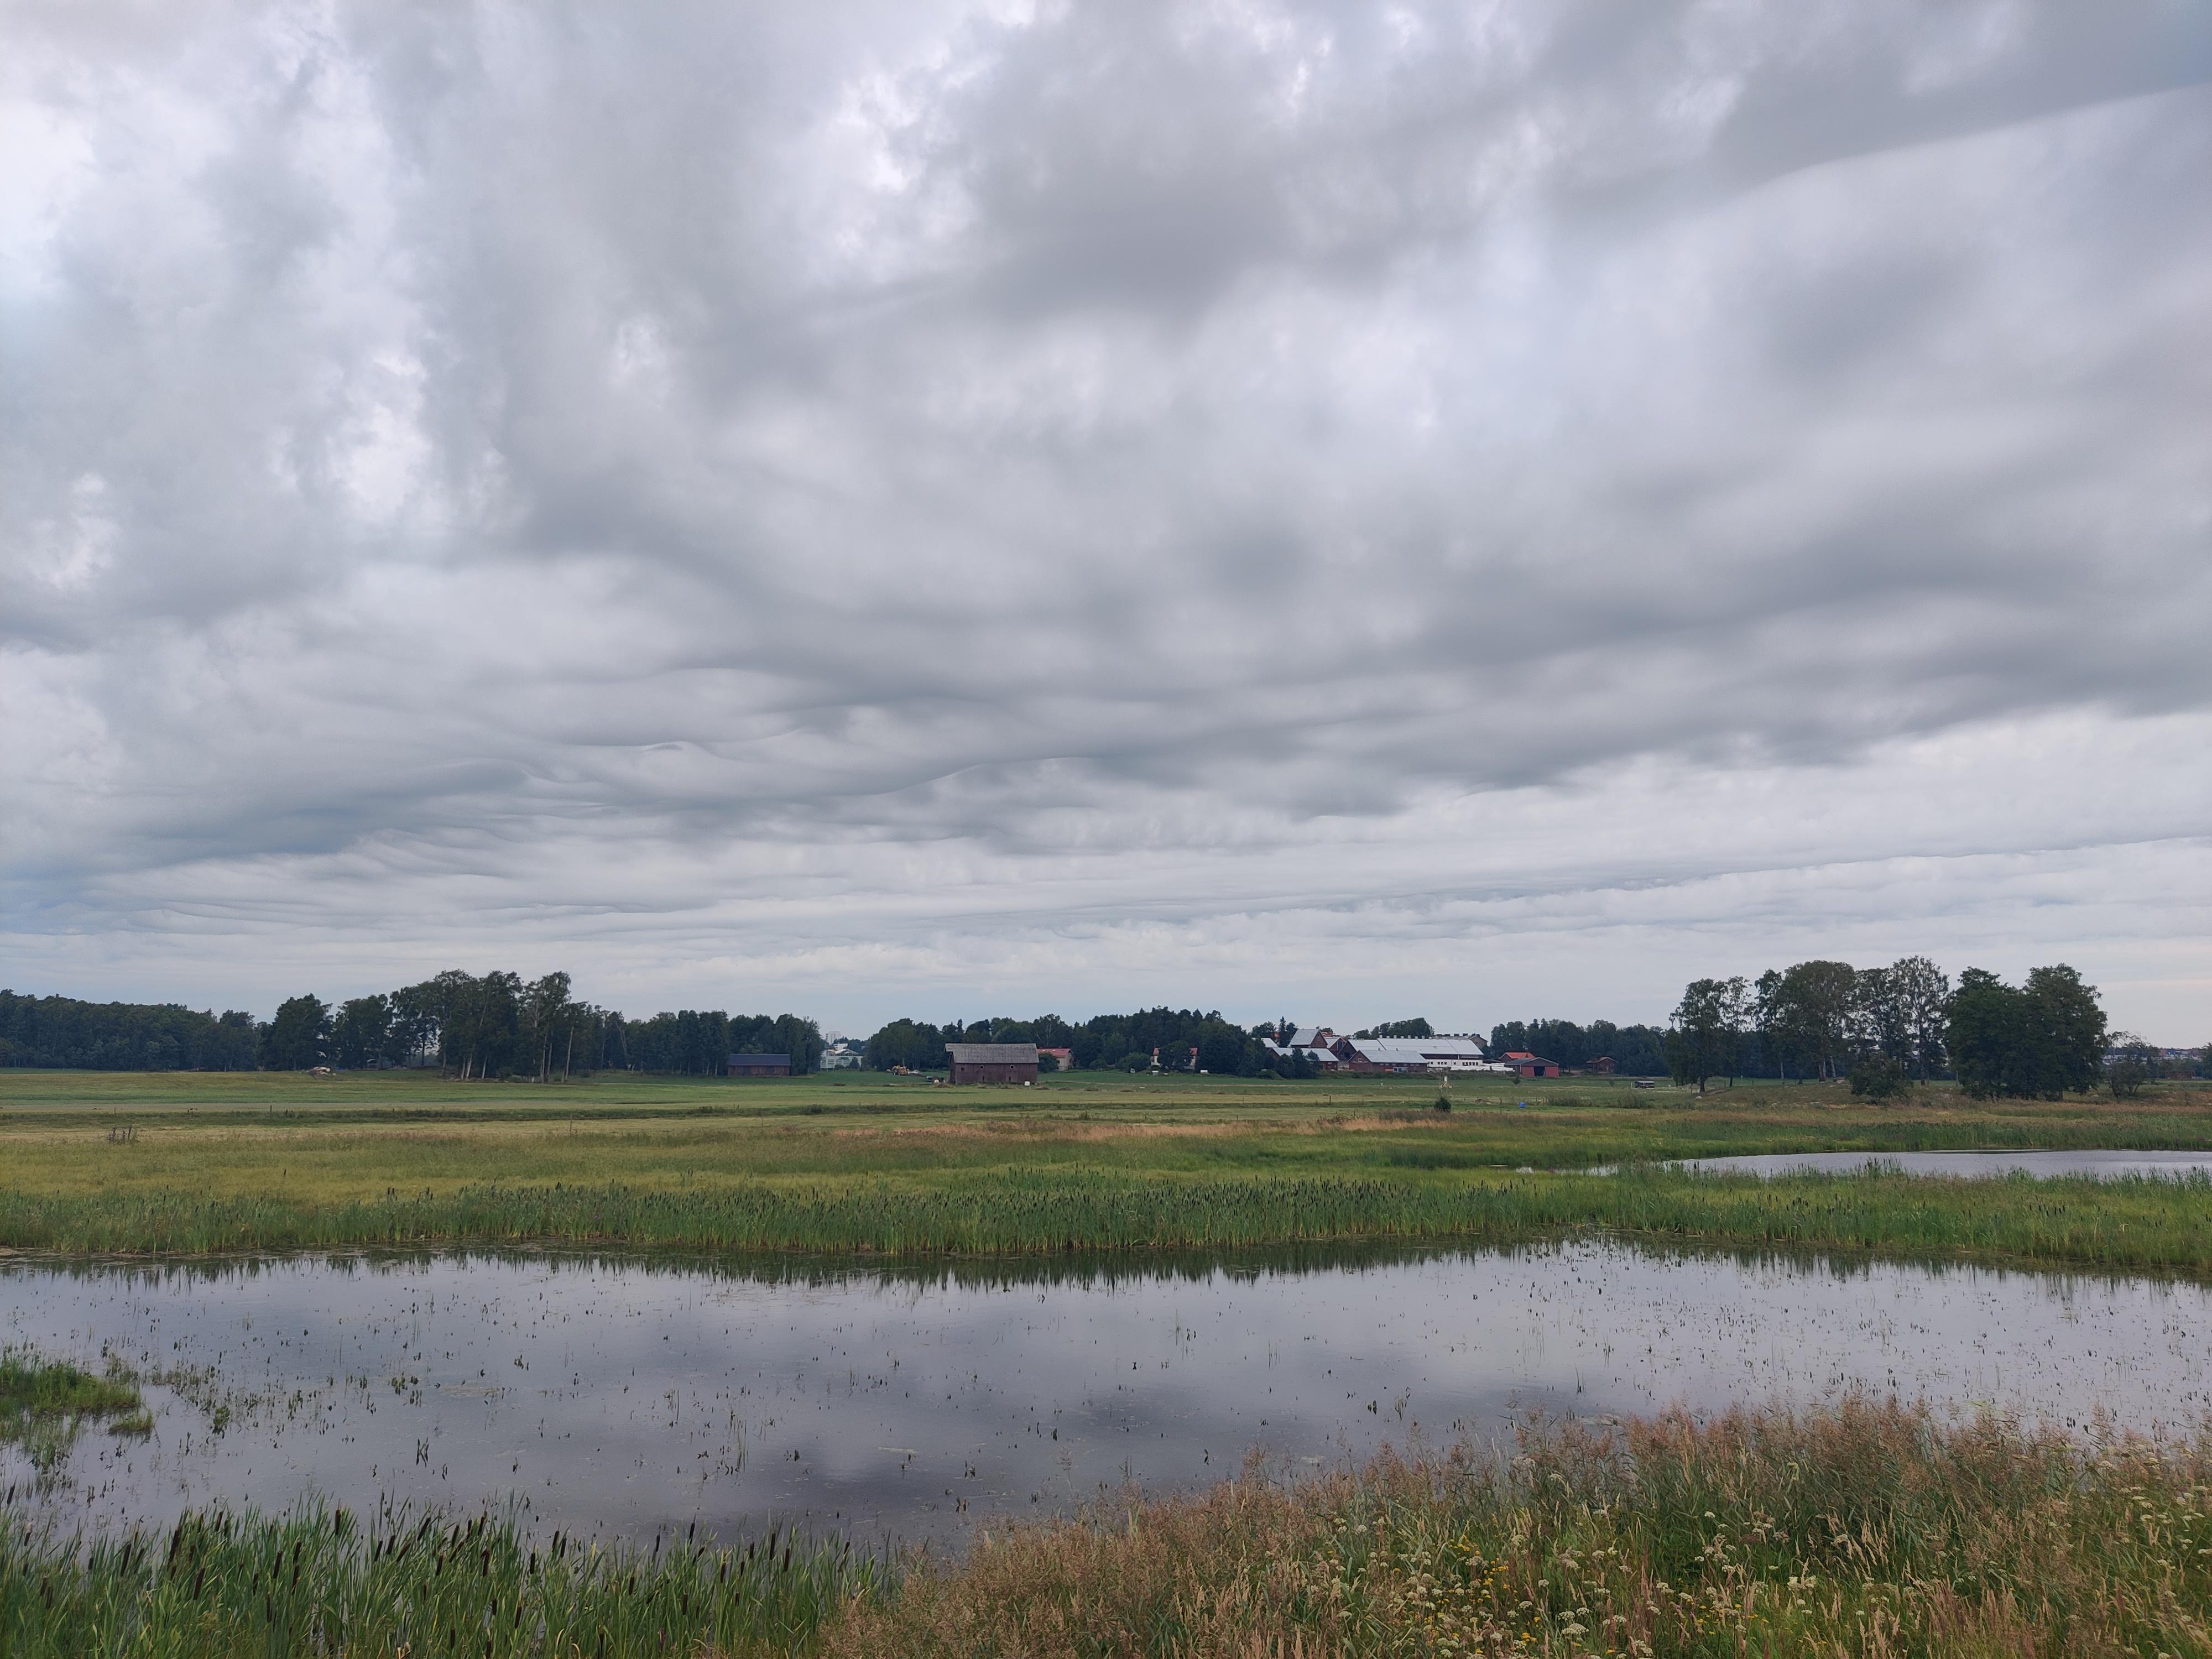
x,y
1414,1051
1319,1056
993,1053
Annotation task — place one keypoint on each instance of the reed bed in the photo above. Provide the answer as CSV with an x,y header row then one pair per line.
x,y
321,1582
2120,1225
1872,1531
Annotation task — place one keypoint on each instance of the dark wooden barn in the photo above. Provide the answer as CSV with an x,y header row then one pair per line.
x,y
760,1065
992,1062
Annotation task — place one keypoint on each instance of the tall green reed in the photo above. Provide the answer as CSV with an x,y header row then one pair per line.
x,y
321,1580
2128,1224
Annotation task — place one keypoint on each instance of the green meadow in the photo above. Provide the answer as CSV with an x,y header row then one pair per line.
x,y
186,1163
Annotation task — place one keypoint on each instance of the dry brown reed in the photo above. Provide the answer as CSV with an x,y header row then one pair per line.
x,y
1870,1530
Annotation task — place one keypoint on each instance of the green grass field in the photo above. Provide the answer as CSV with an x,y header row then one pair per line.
x,y
199,1161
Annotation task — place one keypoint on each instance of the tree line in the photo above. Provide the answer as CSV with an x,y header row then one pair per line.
x,y
1886,1028
123,1036
1184,1039
1882,1027
1635,1050
473,1026
699,1044
1188,1040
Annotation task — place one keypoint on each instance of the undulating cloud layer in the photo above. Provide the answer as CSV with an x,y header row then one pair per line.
x,y
1484,509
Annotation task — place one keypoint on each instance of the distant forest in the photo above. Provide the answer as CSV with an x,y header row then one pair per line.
x,y
499,1024
123,1036
490,1025
1188,1041
1635,1050
1881,1028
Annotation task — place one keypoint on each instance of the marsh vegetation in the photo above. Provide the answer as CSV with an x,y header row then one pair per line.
x,y
1898,1531
853,1163
1859,1529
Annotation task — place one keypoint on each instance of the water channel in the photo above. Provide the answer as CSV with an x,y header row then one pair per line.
x,y
629,1396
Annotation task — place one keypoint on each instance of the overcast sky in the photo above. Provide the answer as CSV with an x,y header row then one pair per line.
x,y
1481,510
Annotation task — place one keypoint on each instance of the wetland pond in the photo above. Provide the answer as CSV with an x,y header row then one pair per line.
x,y
630,1396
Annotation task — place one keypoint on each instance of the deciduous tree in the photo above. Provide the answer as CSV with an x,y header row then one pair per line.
x,y
362,1031
1708,1031
2129,1063
1808,1009
2034,1042
298,1038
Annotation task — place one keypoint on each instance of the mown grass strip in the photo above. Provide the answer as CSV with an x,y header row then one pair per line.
x,y
2125,1225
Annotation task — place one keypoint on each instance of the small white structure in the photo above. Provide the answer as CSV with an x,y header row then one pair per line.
x,y
844,1056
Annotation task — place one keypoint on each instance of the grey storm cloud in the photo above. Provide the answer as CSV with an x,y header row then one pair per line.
x,y
865,506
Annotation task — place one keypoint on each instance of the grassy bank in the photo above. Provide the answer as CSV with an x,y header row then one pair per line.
x,y
193,1163
2135,1225
1861,1530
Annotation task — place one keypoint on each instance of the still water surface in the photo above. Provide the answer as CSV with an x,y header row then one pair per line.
x,y
2105,1165
628,1396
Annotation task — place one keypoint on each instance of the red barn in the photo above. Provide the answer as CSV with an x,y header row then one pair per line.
x,y
1528,1064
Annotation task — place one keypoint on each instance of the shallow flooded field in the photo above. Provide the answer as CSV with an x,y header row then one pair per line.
x,y
630,1396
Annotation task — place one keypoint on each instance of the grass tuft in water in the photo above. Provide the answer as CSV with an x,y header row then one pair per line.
x,y
45,1404
31,1387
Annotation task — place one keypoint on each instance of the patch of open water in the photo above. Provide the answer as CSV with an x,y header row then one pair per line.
x,y
630,1396
2105,1165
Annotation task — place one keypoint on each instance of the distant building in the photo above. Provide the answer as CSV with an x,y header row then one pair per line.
x,y
1528,1064
1313,1042
1064,1056
992,1062
843,1057
760,1065
1604,1066
1432,1054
